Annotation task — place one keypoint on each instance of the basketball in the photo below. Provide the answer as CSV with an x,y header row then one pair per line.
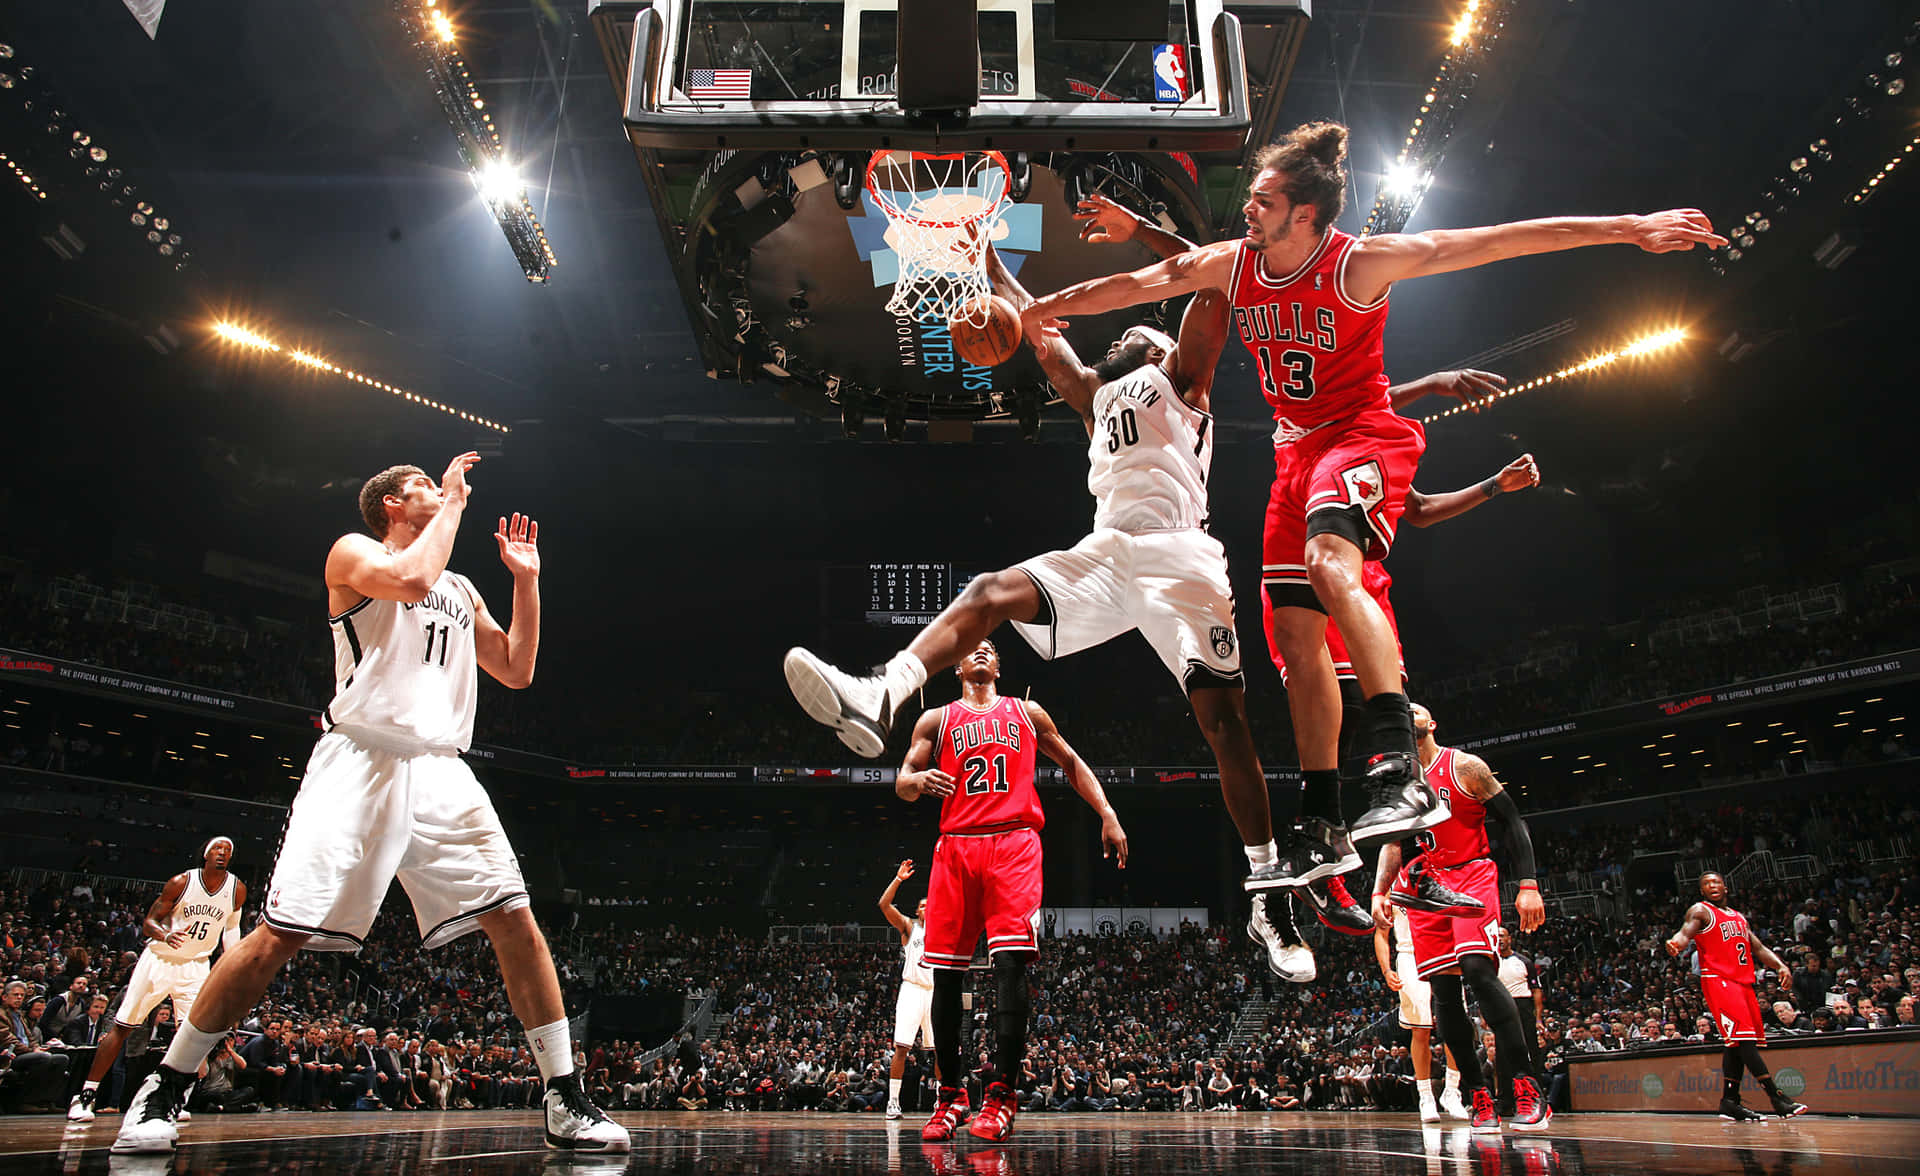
x,y
989,343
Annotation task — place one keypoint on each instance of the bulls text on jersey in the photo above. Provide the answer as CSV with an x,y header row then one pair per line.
x,y
986,729
1264,323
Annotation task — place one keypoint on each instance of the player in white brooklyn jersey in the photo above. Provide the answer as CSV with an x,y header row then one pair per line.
x,y
196,912
387,795
913,1008
1149,564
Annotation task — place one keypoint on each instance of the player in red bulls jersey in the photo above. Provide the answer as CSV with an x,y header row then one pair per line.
x,y
1728,948
976,755
1451,894
1310,303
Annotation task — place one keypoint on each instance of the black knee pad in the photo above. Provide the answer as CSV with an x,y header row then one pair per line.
x,y
1012,998
1477,972
1447,991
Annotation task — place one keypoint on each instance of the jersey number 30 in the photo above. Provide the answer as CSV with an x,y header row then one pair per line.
x,y
979,779
1298,381
1122,429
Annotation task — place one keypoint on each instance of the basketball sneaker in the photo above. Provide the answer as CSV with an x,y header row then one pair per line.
x,y
1314,852
1486,1119
1288,956
1785,1107
153,1112
1429,1110
893,1109
1422,892
946,1116
1335,908
1530,1109
1735,1111
575,1124
1451,1104
80,1110
995,1120
1402,801
860,710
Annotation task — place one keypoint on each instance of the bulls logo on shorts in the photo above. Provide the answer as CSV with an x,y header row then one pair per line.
x,y
1222,638
1366,485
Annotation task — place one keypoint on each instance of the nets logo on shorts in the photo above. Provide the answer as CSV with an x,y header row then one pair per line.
x,y
1651,1086
1791,1082
1222,638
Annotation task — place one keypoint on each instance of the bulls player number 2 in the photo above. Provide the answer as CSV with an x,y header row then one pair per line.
x,y
1298,384
979,779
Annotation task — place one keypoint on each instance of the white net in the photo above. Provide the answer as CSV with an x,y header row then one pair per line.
x,y
942,211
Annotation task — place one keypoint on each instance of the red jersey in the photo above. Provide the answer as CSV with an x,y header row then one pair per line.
x,y
1725,953
1319,354
990,755
1462,837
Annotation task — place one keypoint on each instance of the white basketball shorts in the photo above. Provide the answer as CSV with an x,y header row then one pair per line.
x,y
1170,585
155,980
913,1014
1416,996
363,817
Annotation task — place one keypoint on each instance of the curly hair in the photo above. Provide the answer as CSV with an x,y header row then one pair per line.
x,y
1313,159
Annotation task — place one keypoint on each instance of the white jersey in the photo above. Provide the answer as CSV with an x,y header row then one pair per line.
x,y
1513,976
405,674
1402,933
202,914
1148,459
913,957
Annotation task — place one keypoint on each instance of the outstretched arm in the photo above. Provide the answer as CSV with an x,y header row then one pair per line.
x,y
1695,922
1113,839
1378,262
1184,273
900,922
1073,380
509,654
1479,781
1424,510
1470,387
915,778
1107,222
1765,955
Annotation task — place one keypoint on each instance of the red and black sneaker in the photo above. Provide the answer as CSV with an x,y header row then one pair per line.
x,y
995,1120
947,1114
1335,908
1486,1119
1530,1109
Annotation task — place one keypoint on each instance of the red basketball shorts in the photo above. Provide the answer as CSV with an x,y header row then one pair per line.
x,y
989,883
1349,479
1735,1010
1377,582
1440,940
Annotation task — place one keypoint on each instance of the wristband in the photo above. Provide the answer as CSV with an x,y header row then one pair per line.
x,y
1490,487
1535,886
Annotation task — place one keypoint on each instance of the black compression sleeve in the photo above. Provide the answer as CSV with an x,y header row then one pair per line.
x,y
1519,842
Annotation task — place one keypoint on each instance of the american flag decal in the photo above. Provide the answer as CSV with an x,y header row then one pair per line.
x,y
720,83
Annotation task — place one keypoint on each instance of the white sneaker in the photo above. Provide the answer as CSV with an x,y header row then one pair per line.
x,y
153,1111
1451,1104
857,709
1287,956
80,1110
1429,1110
575,1124
893,1110
185,1116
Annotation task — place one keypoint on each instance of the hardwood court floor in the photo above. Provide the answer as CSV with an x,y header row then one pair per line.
x,y
1357,1144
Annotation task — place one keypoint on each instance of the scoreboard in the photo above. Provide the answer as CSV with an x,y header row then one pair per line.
x,y
889,595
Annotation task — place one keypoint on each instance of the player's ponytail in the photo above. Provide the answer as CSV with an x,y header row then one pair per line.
x,y
1313,159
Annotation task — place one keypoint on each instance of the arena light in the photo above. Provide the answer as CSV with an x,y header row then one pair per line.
x,y
234,333
476,137
1903,157
1636,349
1473,36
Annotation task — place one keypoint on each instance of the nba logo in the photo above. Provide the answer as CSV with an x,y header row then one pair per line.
x,y
1170,73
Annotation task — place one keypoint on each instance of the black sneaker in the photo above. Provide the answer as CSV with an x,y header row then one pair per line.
x,y
1335,908
1313,853
1402,802
1733,1111
1422,893
1785,1107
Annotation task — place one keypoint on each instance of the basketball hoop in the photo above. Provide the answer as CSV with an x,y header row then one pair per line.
x,y
941,211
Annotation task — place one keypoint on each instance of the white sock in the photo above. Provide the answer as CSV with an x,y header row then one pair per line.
x,y
552,1047
191,1045
893,1090
1262,855
904,675
89,1084
1453,1079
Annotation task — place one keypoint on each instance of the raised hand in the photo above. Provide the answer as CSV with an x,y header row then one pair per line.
x,y
1469,387
1522,473
453,483
1105,222
519,545
905,871
1675,230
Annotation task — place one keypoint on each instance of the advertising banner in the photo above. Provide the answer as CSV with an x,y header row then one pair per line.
x,y
1874,1072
